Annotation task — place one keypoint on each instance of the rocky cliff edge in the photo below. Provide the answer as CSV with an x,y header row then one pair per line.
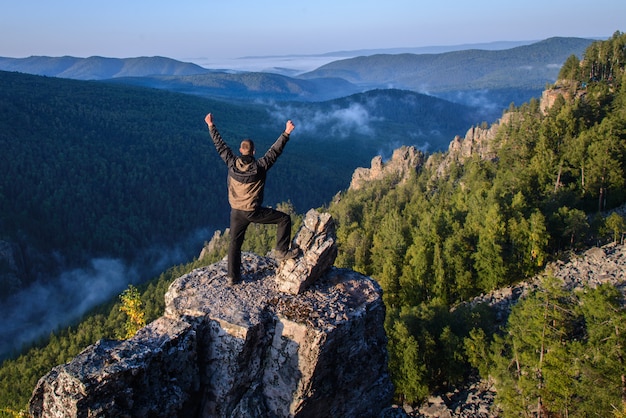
x,y
298,338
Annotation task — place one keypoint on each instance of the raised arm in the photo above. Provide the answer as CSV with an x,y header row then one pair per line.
x,y
289,127
209,120
275,150
223,150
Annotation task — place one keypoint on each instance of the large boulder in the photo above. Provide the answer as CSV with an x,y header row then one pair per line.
x,y
317,241
247,350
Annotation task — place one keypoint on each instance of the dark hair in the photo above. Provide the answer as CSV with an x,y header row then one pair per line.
x,y
247,147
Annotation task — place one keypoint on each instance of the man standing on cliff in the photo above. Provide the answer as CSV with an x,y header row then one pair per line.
x,y
246,183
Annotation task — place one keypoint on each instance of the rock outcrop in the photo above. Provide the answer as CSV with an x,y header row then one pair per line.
x,y
595,266
404,161
568,89
478,141
316,239
294,339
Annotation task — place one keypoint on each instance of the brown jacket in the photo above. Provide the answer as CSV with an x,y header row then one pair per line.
x,y
246,175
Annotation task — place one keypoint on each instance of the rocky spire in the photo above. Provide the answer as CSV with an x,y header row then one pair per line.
x,y
295,339
404,161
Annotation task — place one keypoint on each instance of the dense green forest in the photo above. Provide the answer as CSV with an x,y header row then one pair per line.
x,y
92,169
76,162
439,240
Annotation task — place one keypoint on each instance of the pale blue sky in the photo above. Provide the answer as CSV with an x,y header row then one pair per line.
x,y
190,29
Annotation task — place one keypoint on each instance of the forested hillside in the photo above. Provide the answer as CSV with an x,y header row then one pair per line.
x,y
94,170
439,240
491,79
99,68
249,86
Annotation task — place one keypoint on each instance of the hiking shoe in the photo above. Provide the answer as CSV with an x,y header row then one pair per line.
x,y
286,255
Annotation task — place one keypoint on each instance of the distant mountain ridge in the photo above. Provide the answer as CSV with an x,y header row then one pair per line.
x,y
528,66
99,68
248,86
432,49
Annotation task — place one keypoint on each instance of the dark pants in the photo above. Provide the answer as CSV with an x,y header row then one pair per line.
x,y
239,221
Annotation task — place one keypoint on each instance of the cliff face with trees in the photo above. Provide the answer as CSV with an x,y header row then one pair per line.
x,y
471,222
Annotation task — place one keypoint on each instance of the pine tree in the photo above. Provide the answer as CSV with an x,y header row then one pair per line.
x,y
604,369
388,249
616,225
488,258
406,365
536,329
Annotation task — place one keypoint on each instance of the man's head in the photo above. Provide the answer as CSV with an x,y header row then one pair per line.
x,y
246,147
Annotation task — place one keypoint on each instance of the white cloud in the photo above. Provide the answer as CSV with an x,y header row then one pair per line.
x,y
342,122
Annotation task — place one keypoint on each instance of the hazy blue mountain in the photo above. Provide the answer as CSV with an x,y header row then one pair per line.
x,y
248,86
488,79
431,49
484,67
525,66
435,49
99,68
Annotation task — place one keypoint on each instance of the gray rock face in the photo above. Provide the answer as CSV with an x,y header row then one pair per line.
x,y
404,161
151,374
261,348
317,241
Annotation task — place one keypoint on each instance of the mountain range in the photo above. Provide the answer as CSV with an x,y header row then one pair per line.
x,y
488,78
99,68
528,66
